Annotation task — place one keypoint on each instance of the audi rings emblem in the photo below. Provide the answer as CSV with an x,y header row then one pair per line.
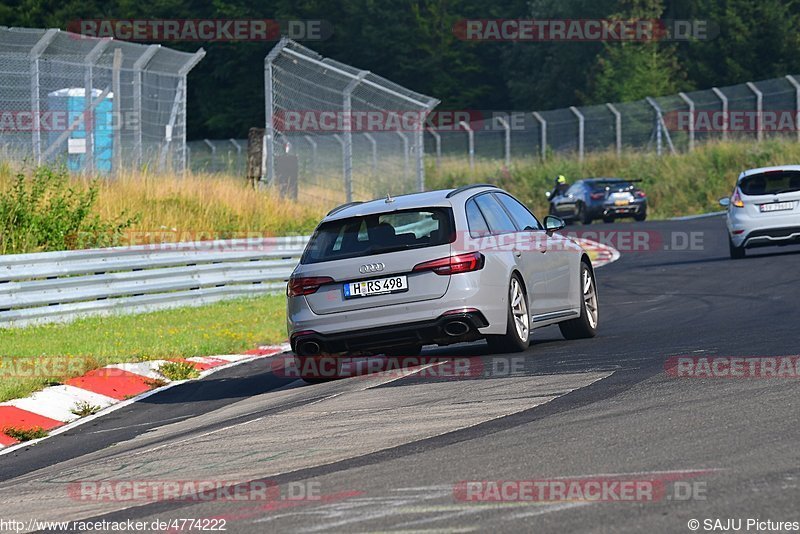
x,y
371,268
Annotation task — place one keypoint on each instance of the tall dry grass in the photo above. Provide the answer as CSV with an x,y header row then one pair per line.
x,y
192,205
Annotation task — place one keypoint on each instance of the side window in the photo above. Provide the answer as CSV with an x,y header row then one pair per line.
x,y
475,221
519,213
496,217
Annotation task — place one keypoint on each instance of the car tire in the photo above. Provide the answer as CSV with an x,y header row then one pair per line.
x,y
737,253
640,216
585,326
583,214
517,336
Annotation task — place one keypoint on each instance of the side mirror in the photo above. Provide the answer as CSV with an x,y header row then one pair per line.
x,y
553,223
725,202
547,194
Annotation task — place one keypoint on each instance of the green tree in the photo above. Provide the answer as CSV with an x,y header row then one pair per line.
x,y
631,70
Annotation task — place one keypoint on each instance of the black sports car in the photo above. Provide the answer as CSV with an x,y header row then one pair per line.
x,y
600,198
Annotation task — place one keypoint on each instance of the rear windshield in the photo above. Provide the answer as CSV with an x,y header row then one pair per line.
x,y
771,183
380,233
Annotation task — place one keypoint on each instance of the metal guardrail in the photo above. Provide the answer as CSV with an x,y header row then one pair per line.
x,y
58,286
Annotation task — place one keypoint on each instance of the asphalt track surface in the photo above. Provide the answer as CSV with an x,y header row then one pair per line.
x,y
384,453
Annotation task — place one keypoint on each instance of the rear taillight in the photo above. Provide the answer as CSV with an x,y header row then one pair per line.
x,y
461,263
640,194
306,285
597,196
736,200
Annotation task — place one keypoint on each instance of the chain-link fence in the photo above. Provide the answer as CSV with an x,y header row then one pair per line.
x,y
224,156
667,124
96,105
336,133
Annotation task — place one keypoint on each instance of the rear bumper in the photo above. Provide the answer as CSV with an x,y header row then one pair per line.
x,y
634,208
309,343
768,237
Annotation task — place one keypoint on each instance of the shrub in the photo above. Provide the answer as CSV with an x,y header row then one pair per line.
x,y
44,211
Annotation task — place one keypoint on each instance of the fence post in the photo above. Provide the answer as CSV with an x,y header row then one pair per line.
x,y
35,53
724,100
617,127
183,73
471,143
579,115
348,192
374,153
507,140
542,134
759,110
313,151
213,154
269,133
116,105
690,103
347,108
660,126
438,140
238,148
419,153
796,86
88,118
405,153
236,145
138,66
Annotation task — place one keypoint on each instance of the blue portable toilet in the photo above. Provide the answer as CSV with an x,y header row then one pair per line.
x,y
71,101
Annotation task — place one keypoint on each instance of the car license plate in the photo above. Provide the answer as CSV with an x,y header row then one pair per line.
x,y
381,286
620,202
776,206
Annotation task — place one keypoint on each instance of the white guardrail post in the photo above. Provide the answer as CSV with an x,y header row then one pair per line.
x,y
58,286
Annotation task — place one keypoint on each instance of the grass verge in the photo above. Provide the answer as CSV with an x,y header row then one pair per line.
x,y
35,357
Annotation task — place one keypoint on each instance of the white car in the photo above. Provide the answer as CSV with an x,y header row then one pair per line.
x,y
764,209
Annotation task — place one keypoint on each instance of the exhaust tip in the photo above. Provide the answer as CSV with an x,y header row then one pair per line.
x,y
456,328
309,348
